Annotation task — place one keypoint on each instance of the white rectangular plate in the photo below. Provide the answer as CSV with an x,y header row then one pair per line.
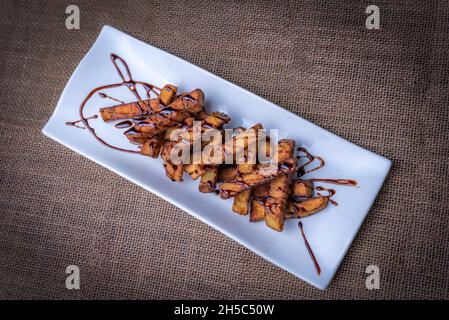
x,y
330,232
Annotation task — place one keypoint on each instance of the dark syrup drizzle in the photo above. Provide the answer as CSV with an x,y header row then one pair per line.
x,y
127,82
341,182
330,192
130,83
301,170
75,123
124,124
105,96
309,249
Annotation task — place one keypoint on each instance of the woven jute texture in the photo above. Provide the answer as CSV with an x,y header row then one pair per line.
x,y
385,90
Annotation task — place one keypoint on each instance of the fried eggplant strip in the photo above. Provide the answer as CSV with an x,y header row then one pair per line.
x,y
169,131
177,111
128,110
208,180
134,136
239,143
307,207
167,94
139,108
263,173
216,119
250,161
302,203
194,170
260,193
277,201
152,146
241,202
173,171
227,173
246,167
302,189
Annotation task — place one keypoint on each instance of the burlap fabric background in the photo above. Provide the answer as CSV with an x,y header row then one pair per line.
x,y
386,90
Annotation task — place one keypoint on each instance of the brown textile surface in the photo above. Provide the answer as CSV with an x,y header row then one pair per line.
x,y
386,90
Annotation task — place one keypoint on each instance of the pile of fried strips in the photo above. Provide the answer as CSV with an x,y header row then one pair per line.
x,y
265,194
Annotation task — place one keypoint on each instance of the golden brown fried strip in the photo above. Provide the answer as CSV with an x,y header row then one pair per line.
x,y
241,202
208,180
209,175
250,161
227,173
246,167
257,211
135,137
173,171
192,101
307,207
247,181
152,146
302,189
195,170
260,193
127,110
276,202
263,172
158,123
169,131
167,94
216,119
239,143
166,149
177,111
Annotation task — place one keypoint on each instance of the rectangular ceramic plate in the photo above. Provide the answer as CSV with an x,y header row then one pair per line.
x,y
330,232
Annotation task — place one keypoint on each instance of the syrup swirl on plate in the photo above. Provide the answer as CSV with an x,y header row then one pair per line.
x,y
127,81
330,192
309,249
